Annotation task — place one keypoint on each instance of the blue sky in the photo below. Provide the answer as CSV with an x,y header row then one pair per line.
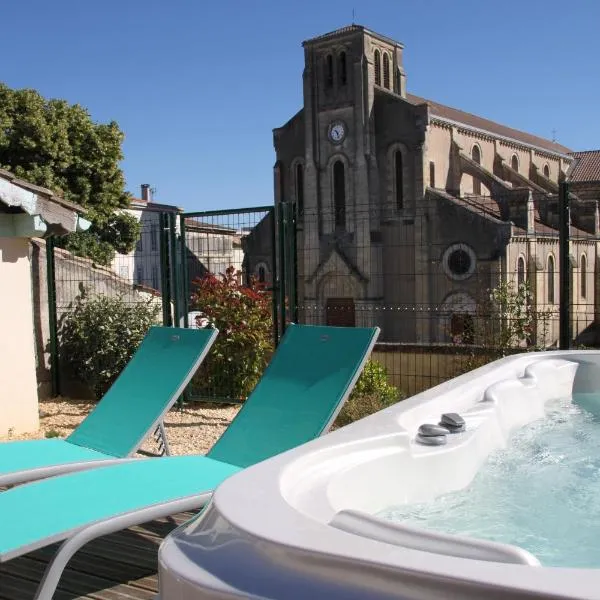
x,y
198,86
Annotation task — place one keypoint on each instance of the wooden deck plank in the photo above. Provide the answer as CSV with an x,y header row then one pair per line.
x,y
120,566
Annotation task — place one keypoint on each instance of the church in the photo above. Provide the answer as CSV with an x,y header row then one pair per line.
x,y
409,211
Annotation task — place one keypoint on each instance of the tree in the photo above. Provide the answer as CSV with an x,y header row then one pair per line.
x,y
56,145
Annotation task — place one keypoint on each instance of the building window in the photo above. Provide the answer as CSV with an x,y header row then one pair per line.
x,y
343,73
262,277
521,271
546,171
386,70
459,262
462,328
377,67
550,280
399,179
279,182
514,163
154,236
299,188
398,82
155,277
329,70
476,156
583,273
139,246
432,174
339,193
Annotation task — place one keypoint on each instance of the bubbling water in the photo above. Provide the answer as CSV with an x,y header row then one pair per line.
x,y
541,493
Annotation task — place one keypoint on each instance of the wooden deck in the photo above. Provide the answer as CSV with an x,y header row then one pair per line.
x,y
121,566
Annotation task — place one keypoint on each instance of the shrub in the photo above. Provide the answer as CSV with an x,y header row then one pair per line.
x,y
98,338
371,393
243,316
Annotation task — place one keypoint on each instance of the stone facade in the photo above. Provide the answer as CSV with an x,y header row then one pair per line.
x,y
410,210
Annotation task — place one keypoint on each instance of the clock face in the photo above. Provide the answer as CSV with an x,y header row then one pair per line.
x,y
337,132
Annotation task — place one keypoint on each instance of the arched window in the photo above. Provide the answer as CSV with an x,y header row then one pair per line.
x,y
399,179
342,72
521,271
550,280
514,163
386,70
300,188
462,328
377,67
546,171
279,181
476,156
398,82
432,174
329,70
583,274
262,275
339,193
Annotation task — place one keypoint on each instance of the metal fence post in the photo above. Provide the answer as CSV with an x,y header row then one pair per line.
x,y
282,270
185,284
52,317
564,221
173,269
164,269
274,281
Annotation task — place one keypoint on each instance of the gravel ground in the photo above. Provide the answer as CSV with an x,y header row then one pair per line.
x,y
191,430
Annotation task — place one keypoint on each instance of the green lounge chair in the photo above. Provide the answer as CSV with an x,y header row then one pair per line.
x,y
130,410
298,397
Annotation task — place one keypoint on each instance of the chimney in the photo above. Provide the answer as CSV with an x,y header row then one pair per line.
x,y
146,192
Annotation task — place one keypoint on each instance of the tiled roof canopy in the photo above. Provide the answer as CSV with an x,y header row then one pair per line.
x,y
470,120
586,167
28,210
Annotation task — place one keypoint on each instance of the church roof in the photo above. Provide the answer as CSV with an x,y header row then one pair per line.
x,y
496,129
586,166
351,29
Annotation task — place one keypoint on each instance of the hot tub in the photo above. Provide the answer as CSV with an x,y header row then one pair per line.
x,y
331,519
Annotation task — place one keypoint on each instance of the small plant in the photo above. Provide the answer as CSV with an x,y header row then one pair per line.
x,y
507,322
52,433
243,316
100,335
371,394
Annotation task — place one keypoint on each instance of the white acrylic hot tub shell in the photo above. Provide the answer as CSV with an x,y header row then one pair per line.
x,y
299,525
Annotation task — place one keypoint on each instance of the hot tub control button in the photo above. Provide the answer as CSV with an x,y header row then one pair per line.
x,y
428,429
431,440
453,422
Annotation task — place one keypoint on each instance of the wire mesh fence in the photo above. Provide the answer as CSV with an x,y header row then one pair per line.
x,y
229,269
453,282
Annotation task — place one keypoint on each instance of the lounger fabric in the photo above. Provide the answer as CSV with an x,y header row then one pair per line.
x,y
299,395
151,382
55,510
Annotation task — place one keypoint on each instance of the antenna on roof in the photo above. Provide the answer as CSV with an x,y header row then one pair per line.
x,y
554,135
353,15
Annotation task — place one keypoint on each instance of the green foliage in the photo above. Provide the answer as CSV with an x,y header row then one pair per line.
x,y
242,314
508,322
87,244
56,145
100,335
119,233
371,393
52,433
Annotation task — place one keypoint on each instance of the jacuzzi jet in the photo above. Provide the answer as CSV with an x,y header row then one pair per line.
x,y
453,422
432,435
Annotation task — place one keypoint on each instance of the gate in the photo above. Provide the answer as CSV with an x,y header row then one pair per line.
x,y
236,272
